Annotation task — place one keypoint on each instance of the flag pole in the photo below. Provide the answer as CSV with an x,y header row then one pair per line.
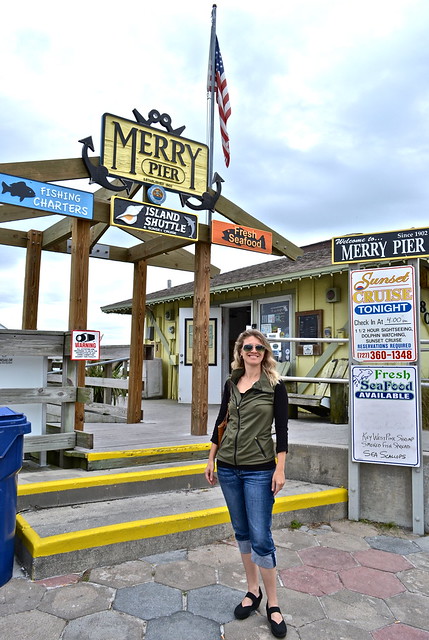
x,y
211,88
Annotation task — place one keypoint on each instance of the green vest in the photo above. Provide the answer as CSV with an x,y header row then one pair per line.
x,y
247,439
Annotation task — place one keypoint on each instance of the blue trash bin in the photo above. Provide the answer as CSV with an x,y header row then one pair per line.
x,y
12,428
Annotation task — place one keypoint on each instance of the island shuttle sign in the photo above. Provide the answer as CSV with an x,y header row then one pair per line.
x,y
145,216
145,154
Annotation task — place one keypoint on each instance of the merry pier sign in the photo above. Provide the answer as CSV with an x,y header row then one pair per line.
x,y
144,154
410,243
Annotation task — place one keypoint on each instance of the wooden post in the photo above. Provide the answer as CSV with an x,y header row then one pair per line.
x,y
200,341
32,279
135,383
78,310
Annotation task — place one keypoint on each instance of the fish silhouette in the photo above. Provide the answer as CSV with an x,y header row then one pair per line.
x,y
19,190
190,222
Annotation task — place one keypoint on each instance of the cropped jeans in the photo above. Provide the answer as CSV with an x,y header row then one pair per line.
x,y
250,500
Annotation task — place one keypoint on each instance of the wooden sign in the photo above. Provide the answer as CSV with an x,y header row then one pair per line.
x,y
411,243
146,216
239,237
46,197
145,154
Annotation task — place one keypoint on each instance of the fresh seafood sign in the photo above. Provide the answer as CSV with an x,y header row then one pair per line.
x,y
385,422
383,314
145,216
46,197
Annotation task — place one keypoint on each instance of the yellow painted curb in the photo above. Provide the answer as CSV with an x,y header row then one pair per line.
x,y
108,479
156,451
154,527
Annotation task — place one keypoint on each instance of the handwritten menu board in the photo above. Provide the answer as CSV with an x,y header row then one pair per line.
x,y
309,325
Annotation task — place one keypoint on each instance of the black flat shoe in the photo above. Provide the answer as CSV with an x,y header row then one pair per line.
x,y
241,612
278,629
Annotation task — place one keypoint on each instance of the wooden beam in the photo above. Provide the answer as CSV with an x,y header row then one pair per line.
x,y
135,385
200,340
281,246
78,306
156,246
97,231
49,170
58,232
11,212
32,279
13,237
43,395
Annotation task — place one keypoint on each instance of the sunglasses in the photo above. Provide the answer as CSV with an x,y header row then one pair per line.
x,y
250,347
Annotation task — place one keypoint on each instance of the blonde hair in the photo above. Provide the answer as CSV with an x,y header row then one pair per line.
x,y
269,366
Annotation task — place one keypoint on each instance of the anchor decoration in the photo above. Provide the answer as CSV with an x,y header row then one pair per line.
x,y
154,117
99,173
207,200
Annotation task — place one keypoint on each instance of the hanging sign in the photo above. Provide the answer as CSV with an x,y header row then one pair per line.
x,y
385,416
85,345
410,243
239,237
383,314
145,216
46,197
145,154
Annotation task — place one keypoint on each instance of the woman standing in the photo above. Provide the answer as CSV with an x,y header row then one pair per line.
x,y
248,473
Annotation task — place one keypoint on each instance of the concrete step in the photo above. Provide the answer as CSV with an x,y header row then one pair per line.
x,y
96,460
61,530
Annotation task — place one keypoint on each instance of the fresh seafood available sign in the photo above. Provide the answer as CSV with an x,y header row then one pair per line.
x,y
46,197
144,216
385,415
383,314
239,237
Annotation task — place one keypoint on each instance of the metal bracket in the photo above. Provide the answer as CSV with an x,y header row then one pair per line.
x,y
207,200
97,251
99,173
154,117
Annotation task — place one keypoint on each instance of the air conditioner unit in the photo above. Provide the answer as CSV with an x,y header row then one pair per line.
x,y
333,294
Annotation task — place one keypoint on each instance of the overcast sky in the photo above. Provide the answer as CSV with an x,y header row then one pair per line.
x,y
329,131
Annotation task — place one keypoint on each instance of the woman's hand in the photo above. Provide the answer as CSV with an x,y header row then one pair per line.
x,y
279,479
209,473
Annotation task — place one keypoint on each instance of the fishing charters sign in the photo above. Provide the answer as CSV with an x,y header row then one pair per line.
x,y
46,197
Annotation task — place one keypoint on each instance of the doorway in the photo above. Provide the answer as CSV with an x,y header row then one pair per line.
x,y
235,318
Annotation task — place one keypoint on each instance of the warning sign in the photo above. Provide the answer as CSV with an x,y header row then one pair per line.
x,y
85,345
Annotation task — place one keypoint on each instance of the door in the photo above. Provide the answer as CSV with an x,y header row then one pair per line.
x,y
185,355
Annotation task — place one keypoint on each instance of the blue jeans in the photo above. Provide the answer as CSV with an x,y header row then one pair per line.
x,y
250,502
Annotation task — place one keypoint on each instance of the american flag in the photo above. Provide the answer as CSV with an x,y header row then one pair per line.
x,y
222,98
